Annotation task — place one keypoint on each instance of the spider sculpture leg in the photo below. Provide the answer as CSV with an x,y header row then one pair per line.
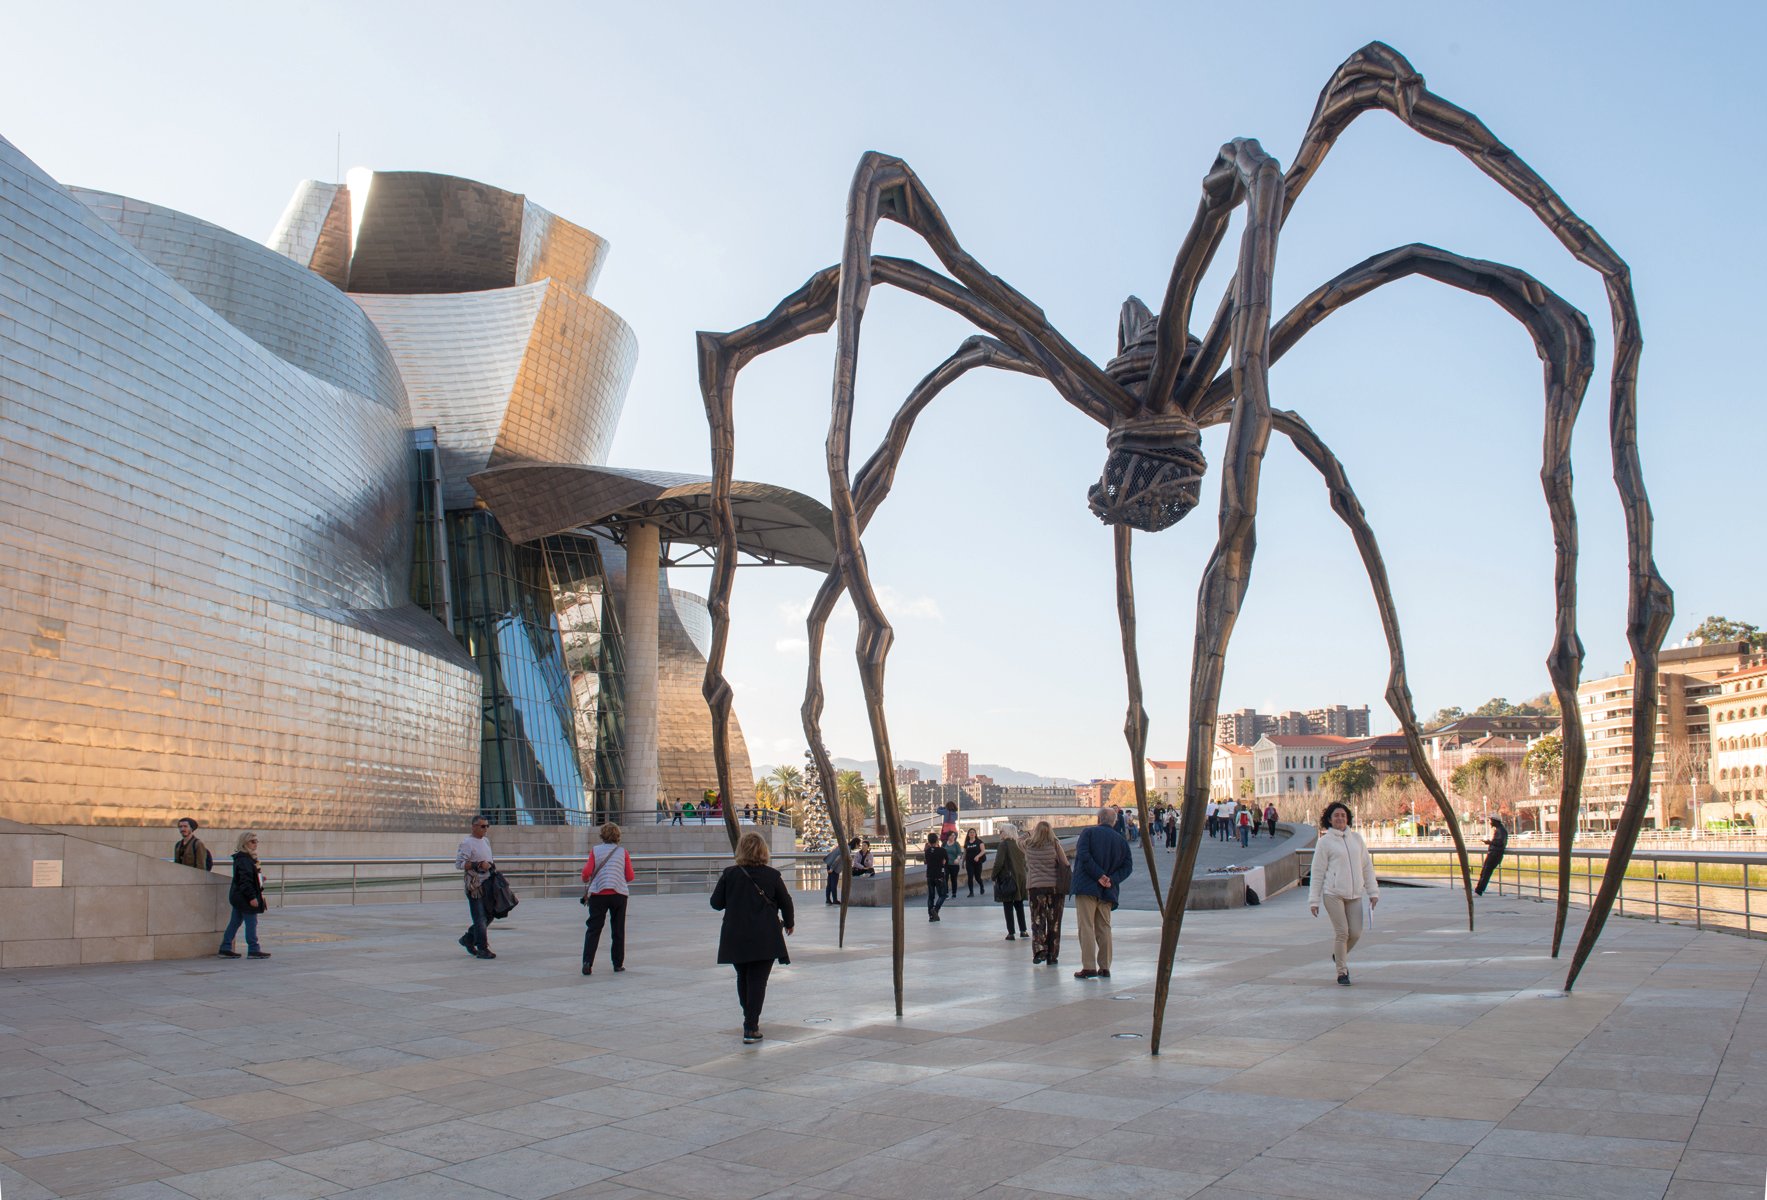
x,y
1135,723
811,309
1566,348
1377,76
1229,567
886,187
873,485
721,356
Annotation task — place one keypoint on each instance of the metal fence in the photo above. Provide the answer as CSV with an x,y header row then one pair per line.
x,y
1708,889
313,881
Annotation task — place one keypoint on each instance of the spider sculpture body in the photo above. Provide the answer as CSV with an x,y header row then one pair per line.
x,y
1154,399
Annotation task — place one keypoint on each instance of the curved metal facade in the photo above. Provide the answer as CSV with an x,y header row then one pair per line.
x,y
205,551
529,373
291,312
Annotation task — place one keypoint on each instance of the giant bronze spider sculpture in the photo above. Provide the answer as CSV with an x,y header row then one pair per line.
x,y
1165,386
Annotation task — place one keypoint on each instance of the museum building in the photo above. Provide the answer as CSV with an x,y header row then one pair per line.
x,y
319,534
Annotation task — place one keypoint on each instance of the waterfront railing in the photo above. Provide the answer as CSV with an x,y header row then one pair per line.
x,y
1708,889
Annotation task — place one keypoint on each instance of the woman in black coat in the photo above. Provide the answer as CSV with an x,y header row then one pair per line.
x,y
754,901
246,898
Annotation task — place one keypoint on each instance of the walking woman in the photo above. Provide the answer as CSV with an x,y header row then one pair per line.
x,y
934,854
1009,879
754,901
1048,875
246,897
1343,873
974,855
607,877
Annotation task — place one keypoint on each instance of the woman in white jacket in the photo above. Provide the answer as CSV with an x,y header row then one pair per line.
x,y
1343,873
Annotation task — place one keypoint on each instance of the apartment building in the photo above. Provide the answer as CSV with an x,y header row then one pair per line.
x,y
954,767
1739,748
1687,677
1244,726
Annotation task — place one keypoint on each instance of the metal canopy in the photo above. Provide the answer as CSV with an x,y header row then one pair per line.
x,y
774,525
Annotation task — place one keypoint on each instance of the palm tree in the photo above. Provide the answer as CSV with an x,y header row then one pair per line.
x,y
855,803
788,786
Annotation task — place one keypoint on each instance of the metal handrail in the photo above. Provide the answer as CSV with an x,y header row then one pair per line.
x,y
1711,890
420,879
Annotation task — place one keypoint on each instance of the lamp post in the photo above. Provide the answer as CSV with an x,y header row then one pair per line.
x,y
1693,802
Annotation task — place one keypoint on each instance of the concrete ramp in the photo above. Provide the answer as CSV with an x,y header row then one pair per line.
x,y
69,900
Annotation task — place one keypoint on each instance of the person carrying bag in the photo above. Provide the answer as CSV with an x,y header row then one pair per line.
x,y
756,905
607,885
1009,880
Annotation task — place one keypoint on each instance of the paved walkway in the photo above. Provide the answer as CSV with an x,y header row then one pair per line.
x,y
1212,855
372,1059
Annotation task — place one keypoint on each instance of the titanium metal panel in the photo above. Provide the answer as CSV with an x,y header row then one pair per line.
x,y
314,231
512,375
289,311
422,233
205,550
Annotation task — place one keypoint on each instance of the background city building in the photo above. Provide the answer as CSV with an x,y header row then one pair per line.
x,y
954,767
1165,780
1230,767
1739,749
1244,726
1687,677
1287,767
1389,753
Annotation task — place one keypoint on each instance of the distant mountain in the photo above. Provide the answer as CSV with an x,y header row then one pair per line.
x,y
1004,776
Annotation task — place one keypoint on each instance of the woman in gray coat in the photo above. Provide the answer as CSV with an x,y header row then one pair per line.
x,y
755,902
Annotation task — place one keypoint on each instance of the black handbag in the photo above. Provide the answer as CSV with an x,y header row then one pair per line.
x,y
499,898
1005,885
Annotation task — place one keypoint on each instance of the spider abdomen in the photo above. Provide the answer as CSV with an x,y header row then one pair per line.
x,y
1153,475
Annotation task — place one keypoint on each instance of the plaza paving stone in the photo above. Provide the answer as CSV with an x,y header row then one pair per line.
x,y
372,1059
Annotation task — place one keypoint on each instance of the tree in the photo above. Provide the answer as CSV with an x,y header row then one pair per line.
x,y
1391,799
1123,794
1723,629
1247,787
1477,774
1350,779
1545,762
788,785
764,792
849,786
1497,706
1442,716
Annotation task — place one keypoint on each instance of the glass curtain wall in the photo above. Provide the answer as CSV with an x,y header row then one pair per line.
x,y
429,543
504,615
594,655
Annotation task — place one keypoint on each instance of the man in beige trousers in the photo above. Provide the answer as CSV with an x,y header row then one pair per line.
x,y
1101,862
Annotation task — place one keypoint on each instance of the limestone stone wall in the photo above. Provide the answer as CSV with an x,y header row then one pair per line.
x,y
112,905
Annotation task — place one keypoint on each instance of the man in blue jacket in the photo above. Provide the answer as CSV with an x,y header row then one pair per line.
x,y
1101,863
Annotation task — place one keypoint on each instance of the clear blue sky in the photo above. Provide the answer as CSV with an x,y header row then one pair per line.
x,y
713,145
